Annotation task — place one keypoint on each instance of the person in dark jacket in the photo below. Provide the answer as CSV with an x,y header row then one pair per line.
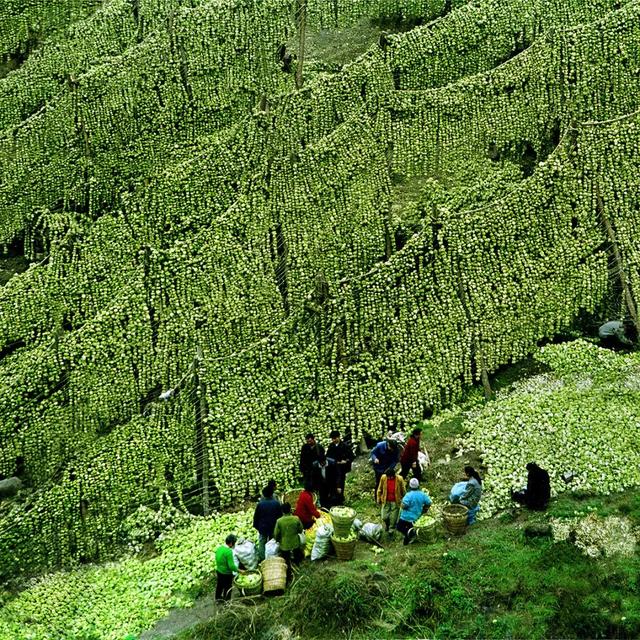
x,y
342,454
267,512
384,455
309,454
536,495
324,480
409,457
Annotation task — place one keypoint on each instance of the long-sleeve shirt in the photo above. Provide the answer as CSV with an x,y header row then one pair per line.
x,y
413,504
308,455
383,488
267,512
410,451
224,560
339,452
287,532
538,488
472,493
387,457
305,509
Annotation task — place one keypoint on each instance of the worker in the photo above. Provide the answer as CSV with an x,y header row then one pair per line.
x,y
470,496
614,335
225,568
342,454
287,534
267,512
409,457
391,490
309,453
538,491
324,480
413,505
384,455
306,508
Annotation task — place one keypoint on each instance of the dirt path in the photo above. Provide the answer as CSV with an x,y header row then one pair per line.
x,y
180,620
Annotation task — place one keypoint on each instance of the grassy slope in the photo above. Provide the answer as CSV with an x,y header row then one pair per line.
x,y
495,582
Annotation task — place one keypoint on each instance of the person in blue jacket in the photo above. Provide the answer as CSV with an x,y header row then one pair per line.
x,y
414,504
383,456
267,512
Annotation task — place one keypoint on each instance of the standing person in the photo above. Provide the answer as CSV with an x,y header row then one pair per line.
x,y
287,533
343,455
409,457
412,507
324,480
538,491
384,455
225,568
470,498
309,454
306,507
267,512
391,490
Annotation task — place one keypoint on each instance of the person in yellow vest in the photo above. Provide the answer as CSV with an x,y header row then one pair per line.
x,y
391,490
225,568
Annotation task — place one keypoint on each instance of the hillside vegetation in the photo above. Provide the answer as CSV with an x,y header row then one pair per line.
x,y
353,252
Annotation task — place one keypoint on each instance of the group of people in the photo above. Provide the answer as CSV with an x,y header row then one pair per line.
x,y
325,474
388,453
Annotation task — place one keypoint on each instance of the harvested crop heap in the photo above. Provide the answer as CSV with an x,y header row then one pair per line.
x,y
186,199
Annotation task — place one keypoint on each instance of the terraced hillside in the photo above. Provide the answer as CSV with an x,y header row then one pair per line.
x,y
198,223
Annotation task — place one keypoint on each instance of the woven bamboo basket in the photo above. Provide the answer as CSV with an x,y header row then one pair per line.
x,y
292,496
253,591
344,550
274,574
454,517
427,533
342,524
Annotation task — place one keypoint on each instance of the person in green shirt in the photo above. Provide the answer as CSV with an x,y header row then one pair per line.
x,y
225,568
287,533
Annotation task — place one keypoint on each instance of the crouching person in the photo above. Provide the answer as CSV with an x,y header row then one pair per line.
x,y
225,568
287,535
413,505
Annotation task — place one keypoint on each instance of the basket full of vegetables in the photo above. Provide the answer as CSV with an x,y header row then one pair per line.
x,y
249,583
345,547
426,527
342,519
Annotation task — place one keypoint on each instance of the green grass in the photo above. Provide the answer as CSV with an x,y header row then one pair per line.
x,y
494,582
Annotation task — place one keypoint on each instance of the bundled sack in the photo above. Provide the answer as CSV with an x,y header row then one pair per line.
x,y
322,544
271,549
457,490
423,459
371,531
245,553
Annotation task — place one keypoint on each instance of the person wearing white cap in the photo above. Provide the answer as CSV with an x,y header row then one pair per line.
x,y
414,504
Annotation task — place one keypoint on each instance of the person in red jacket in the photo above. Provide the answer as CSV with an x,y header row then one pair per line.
x,y
306,508
409,457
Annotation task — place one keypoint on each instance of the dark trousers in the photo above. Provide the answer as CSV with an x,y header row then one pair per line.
x,y
523,498
294,556
379,475
404,527
224,584
406,467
